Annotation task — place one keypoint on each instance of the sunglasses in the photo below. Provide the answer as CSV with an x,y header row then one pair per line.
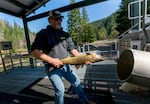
x,y
58,19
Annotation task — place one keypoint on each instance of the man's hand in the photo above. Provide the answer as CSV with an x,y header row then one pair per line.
x,y
56,63
88,62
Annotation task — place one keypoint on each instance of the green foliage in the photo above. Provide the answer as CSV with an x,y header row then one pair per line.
x,y
74,23
1,27
105,28
84,16
87,34
114,33
86,31
102,34
8,32
78,27
13,33
123,23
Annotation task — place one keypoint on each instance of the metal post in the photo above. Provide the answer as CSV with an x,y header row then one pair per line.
x,y
144,16
3,62
27,39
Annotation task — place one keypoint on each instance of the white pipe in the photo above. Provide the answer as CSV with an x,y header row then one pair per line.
x,y
134,66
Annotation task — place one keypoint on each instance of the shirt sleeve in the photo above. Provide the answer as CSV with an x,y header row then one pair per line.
x,y
39,41
70,44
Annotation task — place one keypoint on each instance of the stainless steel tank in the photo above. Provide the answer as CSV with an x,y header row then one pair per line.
x,y
134,66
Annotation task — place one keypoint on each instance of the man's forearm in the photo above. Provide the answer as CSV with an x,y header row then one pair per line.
x,y
42,56
74,52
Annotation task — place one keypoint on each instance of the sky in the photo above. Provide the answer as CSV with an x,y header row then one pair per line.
x,y
95,12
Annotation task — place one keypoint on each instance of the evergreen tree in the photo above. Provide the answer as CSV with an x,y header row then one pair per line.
x,y
123,23
15,34
86,31
8,32
2,27
113,32
102,35
84,18
74,23
18,34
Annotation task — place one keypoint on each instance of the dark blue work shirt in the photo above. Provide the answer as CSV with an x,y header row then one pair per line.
x,y
55,43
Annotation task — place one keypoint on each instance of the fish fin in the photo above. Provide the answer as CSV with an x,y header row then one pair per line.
x,y
88,53
77,66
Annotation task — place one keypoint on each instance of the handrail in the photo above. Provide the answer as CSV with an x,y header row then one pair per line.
x,y
123,34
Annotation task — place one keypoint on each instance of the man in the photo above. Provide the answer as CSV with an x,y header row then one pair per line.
x,y
51,45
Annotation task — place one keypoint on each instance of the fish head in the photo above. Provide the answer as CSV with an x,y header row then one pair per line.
x,y
96,57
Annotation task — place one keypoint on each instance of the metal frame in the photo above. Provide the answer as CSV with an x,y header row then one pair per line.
x,y
26,10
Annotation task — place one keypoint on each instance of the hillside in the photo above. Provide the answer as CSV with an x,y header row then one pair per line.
x,y
107,24
14,33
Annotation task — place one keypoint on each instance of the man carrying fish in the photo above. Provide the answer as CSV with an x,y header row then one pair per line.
x,y
51,45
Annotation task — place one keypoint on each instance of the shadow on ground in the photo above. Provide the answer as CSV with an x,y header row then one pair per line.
x,y
37,94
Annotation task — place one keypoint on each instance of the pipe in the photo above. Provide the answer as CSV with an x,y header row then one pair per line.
x,y
134,66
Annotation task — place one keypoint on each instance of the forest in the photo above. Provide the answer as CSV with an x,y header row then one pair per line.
x,y
79,27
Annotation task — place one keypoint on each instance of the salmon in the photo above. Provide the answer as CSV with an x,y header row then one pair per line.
x,y
81,59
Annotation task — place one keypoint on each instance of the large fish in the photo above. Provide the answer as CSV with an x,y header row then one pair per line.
x,y
81,59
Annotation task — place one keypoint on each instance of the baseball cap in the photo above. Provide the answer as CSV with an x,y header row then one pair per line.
x,y
55,14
